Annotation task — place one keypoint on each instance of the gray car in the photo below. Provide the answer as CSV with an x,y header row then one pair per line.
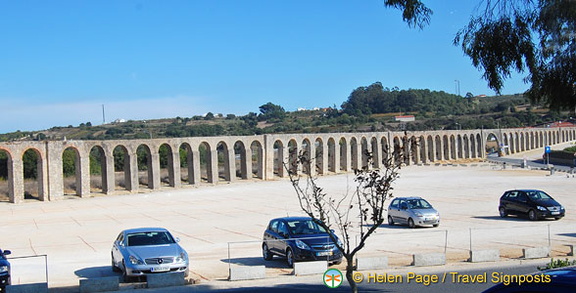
x,y
412,211
144,251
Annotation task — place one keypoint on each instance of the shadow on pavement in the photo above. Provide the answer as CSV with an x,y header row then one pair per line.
x,y
96,272
276,262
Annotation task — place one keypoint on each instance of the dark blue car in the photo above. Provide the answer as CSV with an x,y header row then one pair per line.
x,y
536,204
299,239
4,270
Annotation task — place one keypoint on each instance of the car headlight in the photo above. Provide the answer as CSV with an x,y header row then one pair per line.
x,y
340,243
3,269
135,261
300,244
541,208
181,257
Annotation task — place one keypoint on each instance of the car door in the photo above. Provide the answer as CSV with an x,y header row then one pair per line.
x,y
283,234
522,202
271,236
394,210
510,202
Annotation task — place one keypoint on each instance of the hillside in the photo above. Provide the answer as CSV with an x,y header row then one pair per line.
x,y
371,108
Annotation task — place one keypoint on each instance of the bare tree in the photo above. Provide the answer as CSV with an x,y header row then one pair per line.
x,y
356,215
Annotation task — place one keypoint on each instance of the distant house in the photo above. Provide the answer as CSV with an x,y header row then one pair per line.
x,y
404,118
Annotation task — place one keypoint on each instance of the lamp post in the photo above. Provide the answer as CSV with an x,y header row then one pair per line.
x,y
457,84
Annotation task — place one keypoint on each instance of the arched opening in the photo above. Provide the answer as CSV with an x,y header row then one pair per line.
x,y
430,148
343,160
465,147
240,161
319,156
414,144
446,148
5,175
439,150
71,171
473,153
186,164
32,175
333,166
374,152
167,167
97,170
278,159
292,157
354,154
398,152
385,150
224,172
121,168
364,153
145,172
453,147
205,162
491,146
257,159
307,154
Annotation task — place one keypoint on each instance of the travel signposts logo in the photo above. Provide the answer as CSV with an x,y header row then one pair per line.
x,y
333,278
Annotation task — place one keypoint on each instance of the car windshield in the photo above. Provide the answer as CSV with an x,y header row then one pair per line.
x,y
149,238
418,204
538,195
305,227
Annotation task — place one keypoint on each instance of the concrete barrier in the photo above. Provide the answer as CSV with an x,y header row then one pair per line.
x,y
571,253
371,263
536,252
246,273
484,255
99,284
28,288
310,268
165,280
428,259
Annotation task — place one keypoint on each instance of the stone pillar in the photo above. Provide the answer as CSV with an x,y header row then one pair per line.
x,y
212,167
246,163
16,180
230,165
53,162
131,175
154,181
108,176
83,174
174,168
194,171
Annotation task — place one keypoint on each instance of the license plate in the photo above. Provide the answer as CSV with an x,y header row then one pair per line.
x,y
324,253
159,269
555,213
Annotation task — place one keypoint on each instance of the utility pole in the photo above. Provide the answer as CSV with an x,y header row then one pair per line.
x,y
457,86
103,115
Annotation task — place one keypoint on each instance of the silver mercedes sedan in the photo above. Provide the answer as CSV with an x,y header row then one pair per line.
x,y
143,251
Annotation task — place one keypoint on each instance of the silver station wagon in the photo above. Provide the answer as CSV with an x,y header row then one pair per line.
x,y
412,211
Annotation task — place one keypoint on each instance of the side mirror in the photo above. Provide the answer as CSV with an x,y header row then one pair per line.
x,y
177,239
7,252
283,235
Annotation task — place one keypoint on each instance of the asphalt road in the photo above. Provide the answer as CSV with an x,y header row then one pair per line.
x,y
456,279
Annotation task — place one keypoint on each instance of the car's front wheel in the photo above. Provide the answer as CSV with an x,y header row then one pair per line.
x,y
266,254
503,213
114,267
411,223
390,221
532,215
125,277
290,258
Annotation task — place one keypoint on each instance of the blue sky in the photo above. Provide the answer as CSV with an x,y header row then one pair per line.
x,y
61,61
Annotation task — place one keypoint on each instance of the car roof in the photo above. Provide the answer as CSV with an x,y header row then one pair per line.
x,y
145,229
525,190
408,197
292,218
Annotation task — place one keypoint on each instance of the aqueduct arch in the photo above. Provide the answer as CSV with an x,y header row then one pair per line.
x,y
177,162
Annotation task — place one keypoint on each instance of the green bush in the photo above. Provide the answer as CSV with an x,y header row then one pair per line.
x,y
558,263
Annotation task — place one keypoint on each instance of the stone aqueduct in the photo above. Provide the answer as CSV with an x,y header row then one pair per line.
x,y
214,159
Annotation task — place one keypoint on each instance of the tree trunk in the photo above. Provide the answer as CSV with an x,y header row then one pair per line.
x,y
350,274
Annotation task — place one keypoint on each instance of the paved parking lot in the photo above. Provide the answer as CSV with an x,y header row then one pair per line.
x,y
76,234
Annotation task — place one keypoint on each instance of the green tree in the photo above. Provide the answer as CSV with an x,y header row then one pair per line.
x,y
271,111
535,37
